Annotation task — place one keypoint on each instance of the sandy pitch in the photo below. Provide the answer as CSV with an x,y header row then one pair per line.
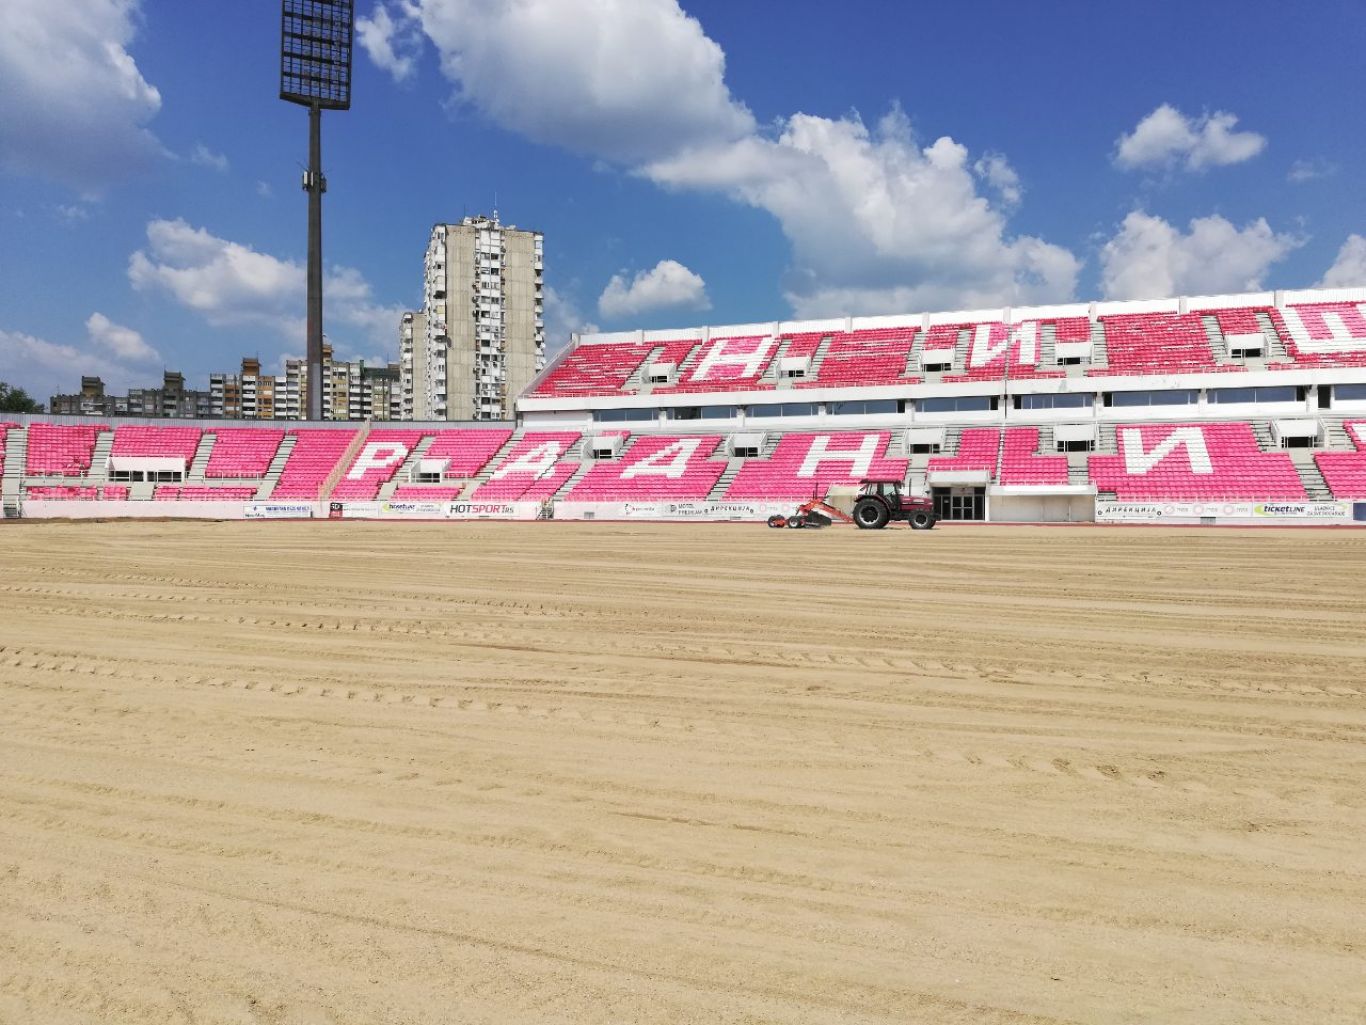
x,y
543,773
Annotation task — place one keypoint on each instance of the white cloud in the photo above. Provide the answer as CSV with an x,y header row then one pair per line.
x,y
1349,269
72,213
122,342
228,283
264,190
627,80
392,39
1149,257
73,103
563,318
878,223
205,157
44,368
1302,171
667,285
875,219
1167,138
995,170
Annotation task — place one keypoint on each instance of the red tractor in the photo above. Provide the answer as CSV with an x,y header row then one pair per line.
x,y
878,503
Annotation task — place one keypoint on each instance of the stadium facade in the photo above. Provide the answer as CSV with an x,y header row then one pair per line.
x,y
1237,408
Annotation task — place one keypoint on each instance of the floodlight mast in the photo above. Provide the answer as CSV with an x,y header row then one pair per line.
x,y
315,72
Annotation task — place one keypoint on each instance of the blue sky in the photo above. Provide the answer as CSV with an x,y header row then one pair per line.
x,y
717,162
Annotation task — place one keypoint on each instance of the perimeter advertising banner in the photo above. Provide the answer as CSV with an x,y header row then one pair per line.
x,y
458,510
278,511
1156,512
696,511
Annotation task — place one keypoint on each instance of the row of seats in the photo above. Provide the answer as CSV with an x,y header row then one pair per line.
x,y
1316,334
1150,461
1345,472
242,452
61,450
136,440
76,492
199,493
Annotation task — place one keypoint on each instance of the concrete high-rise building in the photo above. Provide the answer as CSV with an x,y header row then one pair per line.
x,y
412,361
485,327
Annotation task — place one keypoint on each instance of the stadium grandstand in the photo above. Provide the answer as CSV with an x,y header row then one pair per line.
x,y
1230,408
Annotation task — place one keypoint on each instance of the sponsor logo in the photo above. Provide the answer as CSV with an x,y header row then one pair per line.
x,y
481,509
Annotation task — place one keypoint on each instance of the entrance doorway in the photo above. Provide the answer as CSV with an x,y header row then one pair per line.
x,y
960,503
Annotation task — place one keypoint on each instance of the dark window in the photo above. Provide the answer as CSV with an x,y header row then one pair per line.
x,y
1349,392
957,404
1286,393
865,407
1064,400
624,415
784,409
1176,397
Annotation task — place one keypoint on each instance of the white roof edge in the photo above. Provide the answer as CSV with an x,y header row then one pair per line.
x,y
1016,314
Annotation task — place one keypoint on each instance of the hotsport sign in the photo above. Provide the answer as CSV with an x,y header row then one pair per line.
x,y
1156,512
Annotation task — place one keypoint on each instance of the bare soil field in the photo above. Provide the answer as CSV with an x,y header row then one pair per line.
x,y
315,774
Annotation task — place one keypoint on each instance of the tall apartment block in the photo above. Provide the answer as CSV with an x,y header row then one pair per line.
x,y
484,319
412,362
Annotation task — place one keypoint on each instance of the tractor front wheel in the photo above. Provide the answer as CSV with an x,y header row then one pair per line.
x,y
921,520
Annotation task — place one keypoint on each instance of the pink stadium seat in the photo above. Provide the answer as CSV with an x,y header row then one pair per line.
x,y
61,450
1020,462
804,465
425,493
995,347
196,493
1194,462
874,356
375,464
466,451
241,452
1323,334
532,470
4,429
655,467
1158,343
316,452
1345,472
595,369
727,364
177,443
75,493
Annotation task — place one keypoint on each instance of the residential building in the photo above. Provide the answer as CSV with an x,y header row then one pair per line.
x,y
483,319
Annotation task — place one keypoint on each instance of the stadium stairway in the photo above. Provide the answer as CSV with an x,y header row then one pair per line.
x,y
818,357
771,374
635,381
1048,347
579,451
276,467
495,460
1314,485
960,351
16,456
195,474
1334,436
718,490
1275,346
404,474
99,463
1100,353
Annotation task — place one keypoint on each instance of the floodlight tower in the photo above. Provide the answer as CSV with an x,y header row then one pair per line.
x,y
315,72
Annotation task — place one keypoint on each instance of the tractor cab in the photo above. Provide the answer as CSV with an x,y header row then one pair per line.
x,y
888,490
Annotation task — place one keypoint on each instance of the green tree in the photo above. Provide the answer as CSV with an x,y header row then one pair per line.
x,y
16,400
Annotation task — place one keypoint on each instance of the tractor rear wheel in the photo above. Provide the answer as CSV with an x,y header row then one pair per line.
x,y
870,514
921,520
